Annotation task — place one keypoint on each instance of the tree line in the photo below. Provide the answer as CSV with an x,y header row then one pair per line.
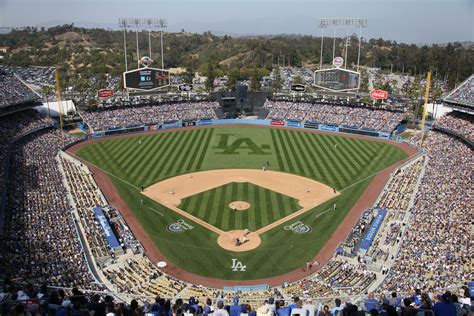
x,y
99,51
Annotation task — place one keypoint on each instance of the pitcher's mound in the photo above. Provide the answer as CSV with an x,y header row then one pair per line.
x,y
229,238
239,205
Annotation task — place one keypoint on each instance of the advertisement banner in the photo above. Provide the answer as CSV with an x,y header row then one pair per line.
x,y
312,125
379,94
293,123
104,223
384,135
359,131
171,125
105,93
204,122
152,128
373,229
188,123
98,134
328,128
277,122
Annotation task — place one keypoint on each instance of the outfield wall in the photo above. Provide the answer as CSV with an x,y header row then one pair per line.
x,y
266,122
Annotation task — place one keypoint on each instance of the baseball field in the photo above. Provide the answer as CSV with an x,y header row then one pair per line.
x,y
195,191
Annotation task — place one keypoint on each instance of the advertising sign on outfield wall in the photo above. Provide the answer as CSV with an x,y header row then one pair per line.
x,y
277,122
292,123
328,128
204,122
312,125
188,123
170,125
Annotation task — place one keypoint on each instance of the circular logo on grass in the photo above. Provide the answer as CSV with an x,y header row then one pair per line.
x,y
299,228
179,227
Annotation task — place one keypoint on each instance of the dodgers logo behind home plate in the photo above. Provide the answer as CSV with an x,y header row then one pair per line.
x,y
236,265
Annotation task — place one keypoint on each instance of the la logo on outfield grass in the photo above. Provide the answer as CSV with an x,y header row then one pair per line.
x,y
236,265
240,144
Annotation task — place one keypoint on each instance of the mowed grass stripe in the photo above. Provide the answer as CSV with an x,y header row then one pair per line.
x,y
196,149
348,153
178,167
186,154
238,219
335,155
285,151
289,138
303,150
253,216
154,149
333,166
259,202
130,156
265,202
313,160
339,160
177,154
361,149
317,153
376,160
154,163
152,159
209,207
277,149
218,216
160,160
204,149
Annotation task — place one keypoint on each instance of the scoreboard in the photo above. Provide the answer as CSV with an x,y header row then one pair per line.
x,y
337,79
146,79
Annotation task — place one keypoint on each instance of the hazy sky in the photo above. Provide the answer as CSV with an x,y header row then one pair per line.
x,y
413,21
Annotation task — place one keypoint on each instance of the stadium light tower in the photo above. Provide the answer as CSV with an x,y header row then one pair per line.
x,y
123,24
149,24
162,24
341,23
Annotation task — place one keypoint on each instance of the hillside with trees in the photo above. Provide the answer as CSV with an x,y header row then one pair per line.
x,y
81,52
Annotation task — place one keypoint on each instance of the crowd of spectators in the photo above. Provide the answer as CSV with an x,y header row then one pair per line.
x,y
28,300
462,124
39,240
436,247
358,117
37,76
435,250
13,91
86,195
464,94
13,126
110,118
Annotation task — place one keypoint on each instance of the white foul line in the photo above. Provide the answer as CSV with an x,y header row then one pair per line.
x,y
155,211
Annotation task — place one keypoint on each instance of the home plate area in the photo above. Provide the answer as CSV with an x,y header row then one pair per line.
x,y
241,204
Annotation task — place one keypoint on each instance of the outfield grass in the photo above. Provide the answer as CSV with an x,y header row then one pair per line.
x,y
266,206
344,163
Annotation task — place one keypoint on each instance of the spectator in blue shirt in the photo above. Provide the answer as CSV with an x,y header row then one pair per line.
x,y
283,310
235,310
445,307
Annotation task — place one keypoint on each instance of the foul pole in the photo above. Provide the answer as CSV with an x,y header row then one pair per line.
x,y
57,77
425,106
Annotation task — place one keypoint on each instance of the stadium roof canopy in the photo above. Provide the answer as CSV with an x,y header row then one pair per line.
x,y
462,98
